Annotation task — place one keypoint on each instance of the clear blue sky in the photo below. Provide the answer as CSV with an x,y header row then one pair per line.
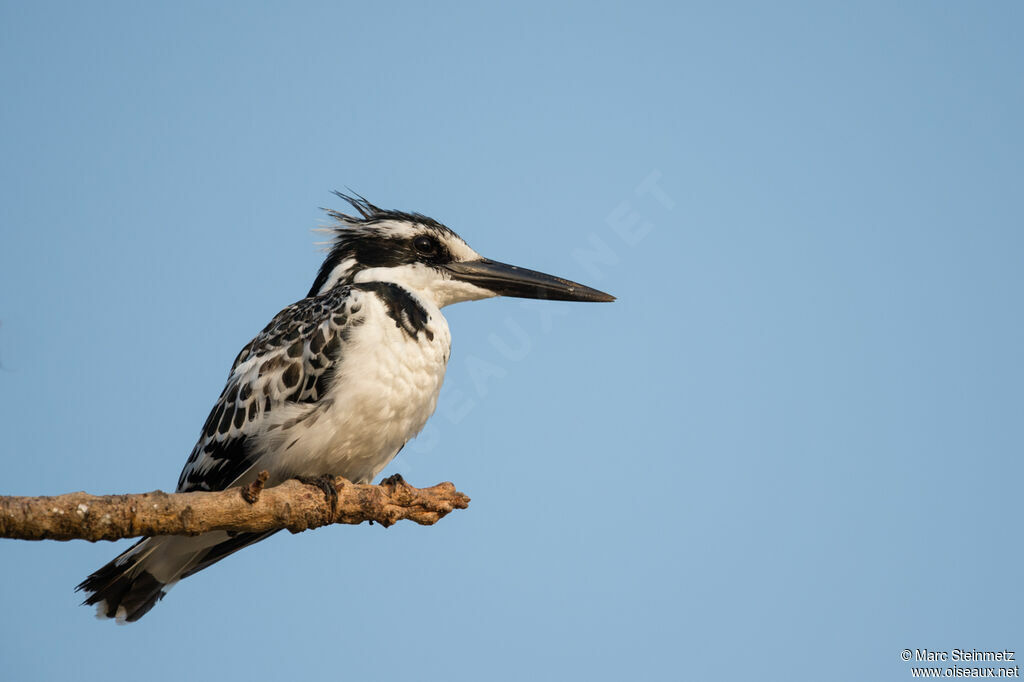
x,y
790,450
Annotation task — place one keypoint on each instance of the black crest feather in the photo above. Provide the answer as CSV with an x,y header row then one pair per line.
x,y
366,240
370,214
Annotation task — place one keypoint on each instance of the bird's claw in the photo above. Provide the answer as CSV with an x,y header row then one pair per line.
x,y
326,484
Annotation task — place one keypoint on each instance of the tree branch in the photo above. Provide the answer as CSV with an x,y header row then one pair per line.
x,y
292,505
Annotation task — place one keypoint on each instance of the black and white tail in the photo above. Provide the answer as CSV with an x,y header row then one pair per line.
x,y
130,585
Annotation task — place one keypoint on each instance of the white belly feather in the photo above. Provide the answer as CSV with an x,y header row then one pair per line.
x,y
384,391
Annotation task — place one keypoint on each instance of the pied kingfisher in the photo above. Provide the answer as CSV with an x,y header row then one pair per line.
x,y
334,386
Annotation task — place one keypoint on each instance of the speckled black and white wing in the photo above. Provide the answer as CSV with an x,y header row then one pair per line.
x,y
290,363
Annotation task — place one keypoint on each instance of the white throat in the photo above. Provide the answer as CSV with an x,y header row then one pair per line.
x,y
430,284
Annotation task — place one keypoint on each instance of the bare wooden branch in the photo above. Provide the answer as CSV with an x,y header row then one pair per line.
x,y
292,505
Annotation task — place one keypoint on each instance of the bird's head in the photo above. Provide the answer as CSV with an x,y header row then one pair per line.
x,y
426,257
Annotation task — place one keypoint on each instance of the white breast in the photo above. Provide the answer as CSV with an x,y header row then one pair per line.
x,y
385,389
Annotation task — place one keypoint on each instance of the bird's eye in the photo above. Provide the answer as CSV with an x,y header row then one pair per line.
x,y
425,245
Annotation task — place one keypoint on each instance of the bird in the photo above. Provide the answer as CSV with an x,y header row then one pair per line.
x,y
334,385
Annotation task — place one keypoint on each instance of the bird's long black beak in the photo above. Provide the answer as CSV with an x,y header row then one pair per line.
x,y
510,280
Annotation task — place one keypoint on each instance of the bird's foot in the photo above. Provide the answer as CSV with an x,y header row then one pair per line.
x,y
251,492
326,484
393,480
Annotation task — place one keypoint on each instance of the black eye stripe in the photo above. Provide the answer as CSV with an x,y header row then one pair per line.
x,y
373,250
